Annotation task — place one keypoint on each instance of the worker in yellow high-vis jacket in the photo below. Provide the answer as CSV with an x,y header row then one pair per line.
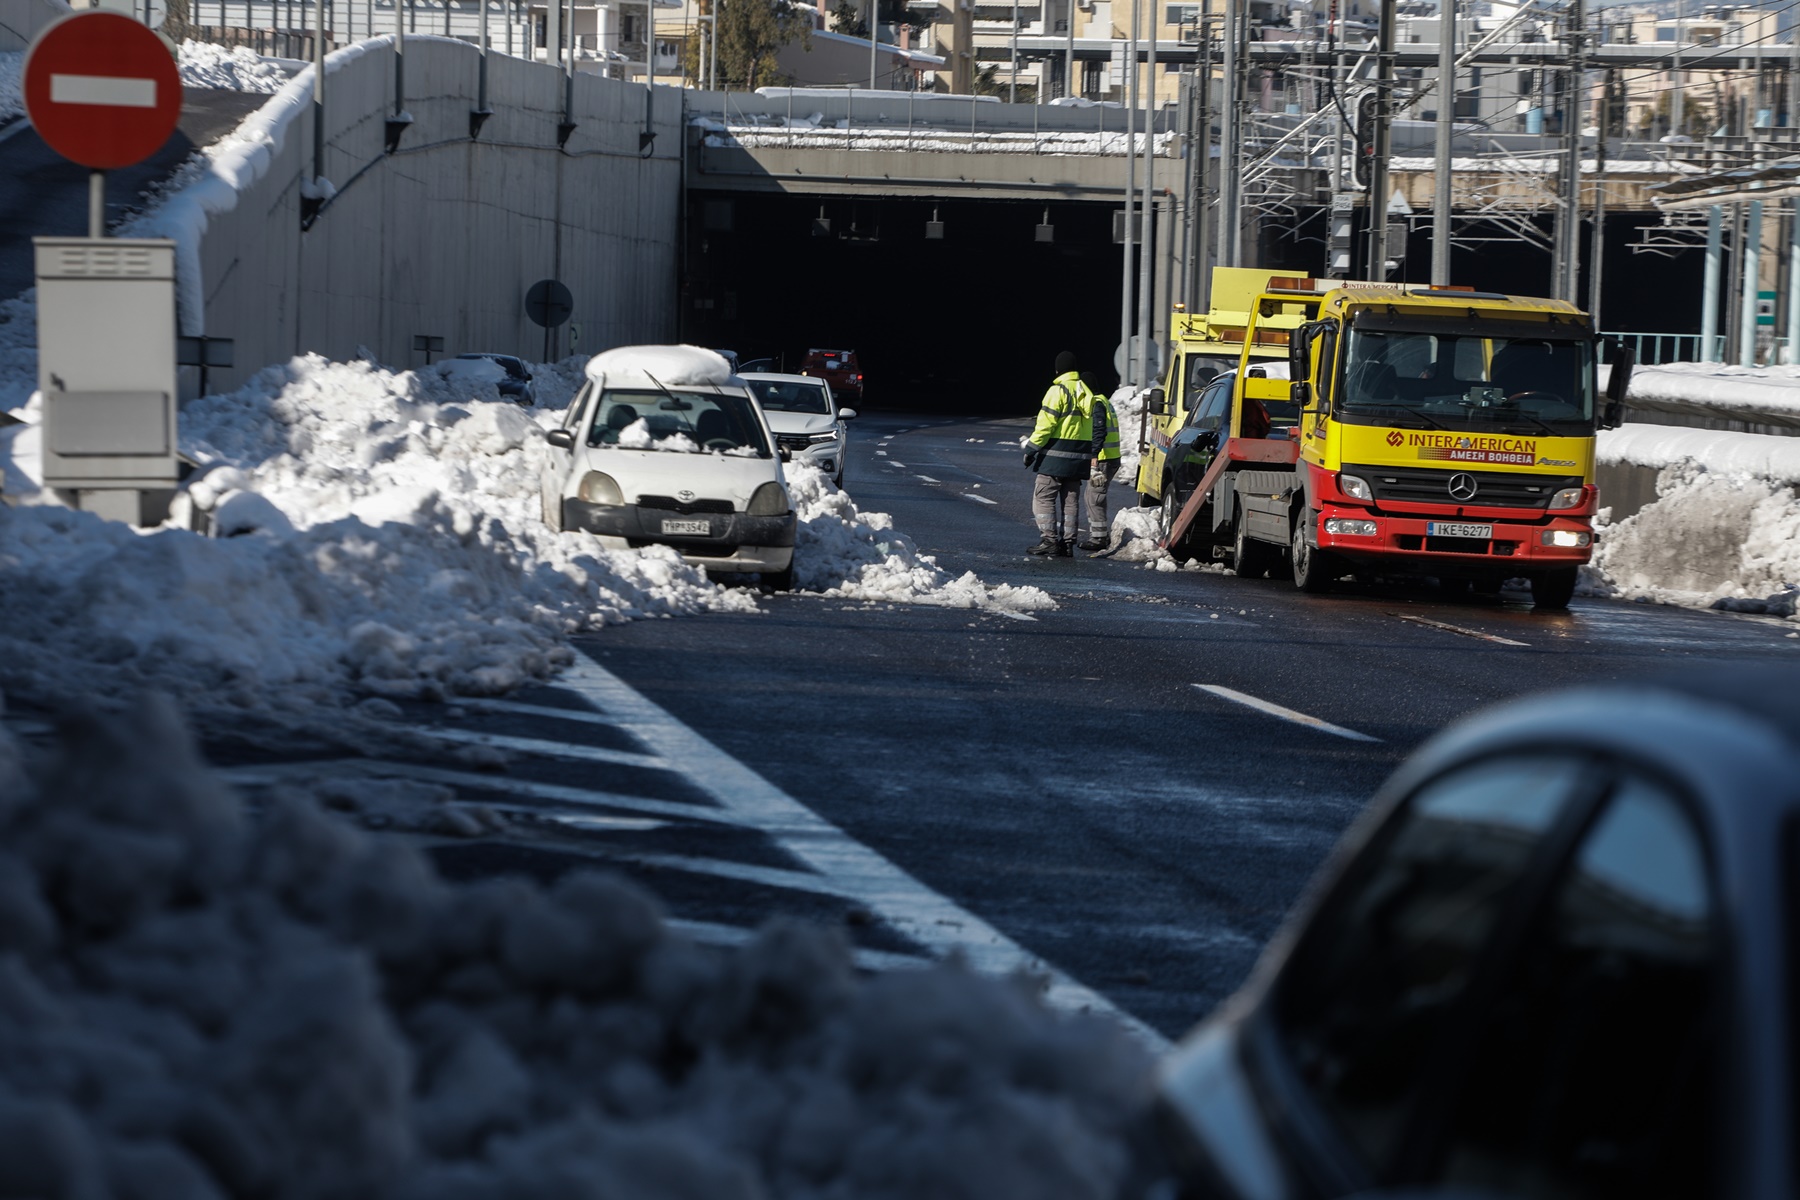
x,y
1060,449
1105,446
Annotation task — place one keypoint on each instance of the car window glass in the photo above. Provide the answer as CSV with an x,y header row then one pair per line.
x,y
790,396
1592,1074
572,418
1214,406
677,420
1369,993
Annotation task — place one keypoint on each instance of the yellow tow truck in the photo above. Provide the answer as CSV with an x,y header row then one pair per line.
x,y
1442,431
1202,347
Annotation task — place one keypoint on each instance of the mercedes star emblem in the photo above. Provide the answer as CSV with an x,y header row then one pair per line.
x,y
1463,486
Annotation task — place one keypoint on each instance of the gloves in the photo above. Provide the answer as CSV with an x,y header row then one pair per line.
x,y
1034,456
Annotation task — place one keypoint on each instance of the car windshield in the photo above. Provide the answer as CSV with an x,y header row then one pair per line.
x,y
787,395
680,421
1463,382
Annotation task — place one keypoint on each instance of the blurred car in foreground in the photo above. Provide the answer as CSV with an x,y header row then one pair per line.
x,y
663,445
807,421
1557,957
839,368
516,386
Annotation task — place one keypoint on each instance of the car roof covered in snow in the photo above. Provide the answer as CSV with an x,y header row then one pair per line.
x,y
671,366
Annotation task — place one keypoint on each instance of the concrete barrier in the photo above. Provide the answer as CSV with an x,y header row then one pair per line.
x,y
20,20
443,237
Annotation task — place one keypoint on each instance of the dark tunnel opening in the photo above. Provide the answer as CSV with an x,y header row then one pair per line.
x,y
969,323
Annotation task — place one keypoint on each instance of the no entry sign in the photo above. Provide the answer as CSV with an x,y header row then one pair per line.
x,y
101,90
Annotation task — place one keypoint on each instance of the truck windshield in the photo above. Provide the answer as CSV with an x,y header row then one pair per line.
x,y
1466,382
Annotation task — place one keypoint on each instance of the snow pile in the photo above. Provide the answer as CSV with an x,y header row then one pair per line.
x,y
1740,393
1128,403
842,551
1710,539
12,92
391,543
1724,530
671,366
198,1004
204,65
637,436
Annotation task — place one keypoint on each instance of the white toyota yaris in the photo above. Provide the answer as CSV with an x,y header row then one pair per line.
x,y
663,444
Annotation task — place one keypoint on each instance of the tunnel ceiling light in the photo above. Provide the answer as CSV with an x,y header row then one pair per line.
x,y
1046,232
934,228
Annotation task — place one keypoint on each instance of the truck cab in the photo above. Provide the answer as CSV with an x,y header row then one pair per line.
x,y
1437,431
1202,348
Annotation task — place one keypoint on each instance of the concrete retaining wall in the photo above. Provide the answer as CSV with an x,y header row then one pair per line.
x,y
20,20
444,237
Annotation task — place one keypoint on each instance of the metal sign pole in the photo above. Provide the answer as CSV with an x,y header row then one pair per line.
x,y
96,204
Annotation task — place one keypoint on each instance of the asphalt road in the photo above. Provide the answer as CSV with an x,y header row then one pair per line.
x,y
42,194
1124,794
1066,777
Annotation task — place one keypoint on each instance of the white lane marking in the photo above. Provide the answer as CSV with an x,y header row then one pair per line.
x,y
114,91
881,454
525,788
1286,714
712,933
581,715
926,478
546,747
1449,628
902,902
891,463
982,499
589,822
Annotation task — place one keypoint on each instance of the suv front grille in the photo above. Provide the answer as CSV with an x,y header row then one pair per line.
x,y
687,507
792,442
1493,489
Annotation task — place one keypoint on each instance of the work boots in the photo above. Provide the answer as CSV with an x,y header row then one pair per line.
x,y
1047,547
1065,549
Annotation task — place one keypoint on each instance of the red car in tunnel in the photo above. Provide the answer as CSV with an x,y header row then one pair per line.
x,y
838,368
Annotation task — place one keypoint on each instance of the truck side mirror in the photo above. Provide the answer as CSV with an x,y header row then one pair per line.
x,y
1624,359
562,439
1158,402
1301,393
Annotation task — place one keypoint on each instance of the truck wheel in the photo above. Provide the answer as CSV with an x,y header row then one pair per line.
x,y
1171,508
1250,558
1553,589
1312,568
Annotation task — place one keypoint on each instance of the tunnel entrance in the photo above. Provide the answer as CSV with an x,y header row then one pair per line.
x,y
967,323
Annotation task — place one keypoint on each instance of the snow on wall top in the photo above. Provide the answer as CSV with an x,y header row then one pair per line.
x,y
671,366
1719,451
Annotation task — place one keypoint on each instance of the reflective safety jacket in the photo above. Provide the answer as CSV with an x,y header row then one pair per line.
x,y
1065,427
1106,430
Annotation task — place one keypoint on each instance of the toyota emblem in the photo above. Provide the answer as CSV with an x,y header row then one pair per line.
x,y
687,497
1463,486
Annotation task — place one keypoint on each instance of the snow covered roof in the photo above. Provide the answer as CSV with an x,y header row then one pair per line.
x,y
667,365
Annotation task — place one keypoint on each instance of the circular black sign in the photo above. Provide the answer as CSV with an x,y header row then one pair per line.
x,y
548,303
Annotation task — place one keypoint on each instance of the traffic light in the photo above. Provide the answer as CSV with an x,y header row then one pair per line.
x,y
1362,165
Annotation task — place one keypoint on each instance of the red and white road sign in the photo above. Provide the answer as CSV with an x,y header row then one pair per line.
x,y
101,89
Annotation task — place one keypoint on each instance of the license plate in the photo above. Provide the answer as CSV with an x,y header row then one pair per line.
x,y
1457,530
670,525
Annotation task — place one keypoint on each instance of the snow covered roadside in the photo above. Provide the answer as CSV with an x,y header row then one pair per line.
x,y
1724,531
204,65
389,541
203,1003
1741,393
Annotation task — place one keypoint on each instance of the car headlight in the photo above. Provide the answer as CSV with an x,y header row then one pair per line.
x,y
600,488
1568,539
769,500
819,439
1356,489
1569,498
